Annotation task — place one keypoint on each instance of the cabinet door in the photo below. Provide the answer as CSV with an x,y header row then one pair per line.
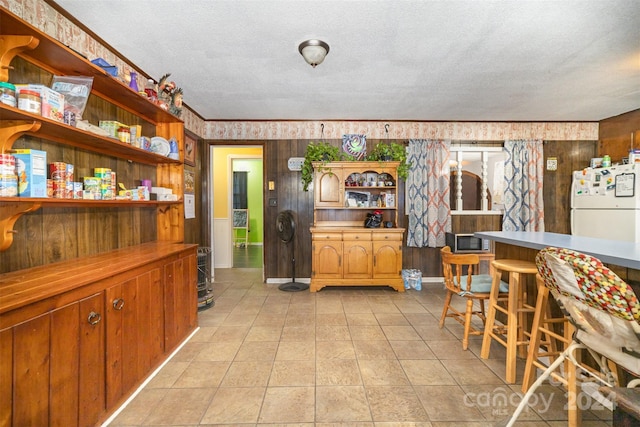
x,y
135,330
180,299
387,259
328,189
91,389
57,367
327,259
357,259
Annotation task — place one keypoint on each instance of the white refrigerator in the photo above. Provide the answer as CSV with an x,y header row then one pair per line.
x,y
605,203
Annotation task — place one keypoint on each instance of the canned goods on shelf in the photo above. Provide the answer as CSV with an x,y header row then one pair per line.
x,y
8,94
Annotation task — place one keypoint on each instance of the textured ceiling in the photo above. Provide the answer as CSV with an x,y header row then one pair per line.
x,y
470,60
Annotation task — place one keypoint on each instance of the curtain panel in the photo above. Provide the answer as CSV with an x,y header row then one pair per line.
x,y
427,200
523,174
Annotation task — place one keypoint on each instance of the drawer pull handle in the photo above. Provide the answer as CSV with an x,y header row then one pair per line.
x,y
118,303
94,318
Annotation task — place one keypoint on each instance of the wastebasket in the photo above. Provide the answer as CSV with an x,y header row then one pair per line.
x,y
412,279
205,284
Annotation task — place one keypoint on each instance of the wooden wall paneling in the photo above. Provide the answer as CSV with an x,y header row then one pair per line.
x,y
271,241
557,184
6,377
618,134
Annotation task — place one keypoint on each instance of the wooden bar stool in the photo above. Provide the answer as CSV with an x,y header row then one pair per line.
x,y
516,312
543,327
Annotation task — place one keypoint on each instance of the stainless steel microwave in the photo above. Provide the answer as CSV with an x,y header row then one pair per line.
x,y
467,243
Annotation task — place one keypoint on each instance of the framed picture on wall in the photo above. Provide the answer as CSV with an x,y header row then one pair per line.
x,y
189,151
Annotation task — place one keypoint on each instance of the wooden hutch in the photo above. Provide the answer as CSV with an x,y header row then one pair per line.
x,y
344,252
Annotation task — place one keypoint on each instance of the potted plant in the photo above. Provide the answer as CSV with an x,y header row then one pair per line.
x,y
317,152
391,151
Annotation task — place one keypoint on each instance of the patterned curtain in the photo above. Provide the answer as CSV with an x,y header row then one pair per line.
x,y
427,200
523,171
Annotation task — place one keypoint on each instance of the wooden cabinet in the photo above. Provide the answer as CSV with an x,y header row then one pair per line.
x,y
344,252
56,360
74,346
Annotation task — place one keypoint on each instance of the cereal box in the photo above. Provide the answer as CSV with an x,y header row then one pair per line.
x,y
31,166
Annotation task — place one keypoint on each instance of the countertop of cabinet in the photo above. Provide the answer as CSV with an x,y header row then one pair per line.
x,y
616,252
338,228
23,287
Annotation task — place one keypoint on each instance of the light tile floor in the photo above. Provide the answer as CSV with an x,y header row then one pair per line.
x,y
340,357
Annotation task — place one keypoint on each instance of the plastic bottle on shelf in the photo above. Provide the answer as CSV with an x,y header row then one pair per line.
x,y
606,161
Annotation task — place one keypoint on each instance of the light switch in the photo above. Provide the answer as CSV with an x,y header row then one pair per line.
x,y
272,185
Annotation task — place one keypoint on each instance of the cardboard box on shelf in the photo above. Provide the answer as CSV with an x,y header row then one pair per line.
x,y
31,166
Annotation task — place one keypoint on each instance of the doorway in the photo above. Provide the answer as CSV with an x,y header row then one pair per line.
x,y
245,162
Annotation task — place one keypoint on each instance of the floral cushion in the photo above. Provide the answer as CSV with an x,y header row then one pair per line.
x,y
592,283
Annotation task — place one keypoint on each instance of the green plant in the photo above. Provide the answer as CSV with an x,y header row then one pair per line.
x,y
391,151
317,152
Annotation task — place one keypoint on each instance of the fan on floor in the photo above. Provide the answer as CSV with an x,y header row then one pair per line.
x,y
286,229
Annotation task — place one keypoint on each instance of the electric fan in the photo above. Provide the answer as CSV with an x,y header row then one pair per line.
x,y
286,228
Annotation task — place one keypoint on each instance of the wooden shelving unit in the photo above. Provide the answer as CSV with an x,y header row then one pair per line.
x,y
78,336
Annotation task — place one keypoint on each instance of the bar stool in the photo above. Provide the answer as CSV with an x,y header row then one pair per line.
x,y
516,312
543,326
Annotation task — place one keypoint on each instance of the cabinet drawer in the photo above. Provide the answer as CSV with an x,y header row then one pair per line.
x,y
387,236
327,236
356,235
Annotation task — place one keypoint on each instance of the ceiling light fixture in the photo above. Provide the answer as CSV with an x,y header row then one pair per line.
x,y
313,51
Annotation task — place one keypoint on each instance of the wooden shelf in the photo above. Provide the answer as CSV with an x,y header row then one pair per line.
x,y
59,59
82,203
12,118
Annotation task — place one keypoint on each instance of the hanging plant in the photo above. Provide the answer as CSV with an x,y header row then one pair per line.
x,y
317,152
391,151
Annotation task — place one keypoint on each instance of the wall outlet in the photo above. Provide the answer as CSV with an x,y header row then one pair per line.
x,y
273,202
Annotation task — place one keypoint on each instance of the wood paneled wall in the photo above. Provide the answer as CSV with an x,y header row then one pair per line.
x,y
618,134
289,196
196,230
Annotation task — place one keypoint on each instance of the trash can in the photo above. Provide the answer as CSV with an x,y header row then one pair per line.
x,y
412,279
205,284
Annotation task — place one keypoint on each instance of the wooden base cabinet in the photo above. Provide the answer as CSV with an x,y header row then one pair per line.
x,y
356,257
74,346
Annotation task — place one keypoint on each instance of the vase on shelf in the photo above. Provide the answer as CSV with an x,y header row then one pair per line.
x,y
133,84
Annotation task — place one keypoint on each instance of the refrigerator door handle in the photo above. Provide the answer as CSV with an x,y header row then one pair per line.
x,y
571,225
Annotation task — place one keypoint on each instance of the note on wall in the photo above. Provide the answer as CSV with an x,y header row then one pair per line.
x,y
189,206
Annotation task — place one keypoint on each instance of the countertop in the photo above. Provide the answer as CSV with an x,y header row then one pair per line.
x,y
616,252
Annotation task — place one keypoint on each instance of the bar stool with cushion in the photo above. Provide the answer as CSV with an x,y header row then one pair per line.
x,y
516,312
461,278
605,313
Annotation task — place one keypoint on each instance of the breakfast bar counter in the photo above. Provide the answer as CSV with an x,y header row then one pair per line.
x,y
616,252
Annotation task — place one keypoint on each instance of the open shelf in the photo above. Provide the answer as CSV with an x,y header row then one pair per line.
x,y
69,135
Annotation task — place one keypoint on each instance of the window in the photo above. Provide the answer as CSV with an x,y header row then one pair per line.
x,y
476,179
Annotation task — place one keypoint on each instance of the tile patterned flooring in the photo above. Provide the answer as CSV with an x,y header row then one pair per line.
x,y
340,357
